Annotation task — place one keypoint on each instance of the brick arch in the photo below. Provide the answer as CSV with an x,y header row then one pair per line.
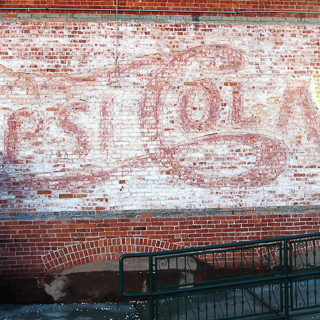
x,y
101,250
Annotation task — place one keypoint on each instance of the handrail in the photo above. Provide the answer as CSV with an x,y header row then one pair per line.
x,y
277,262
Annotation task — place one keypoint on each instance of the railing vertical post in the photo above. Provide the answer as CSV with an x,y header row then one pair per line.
x,y
121,275
151,286
286,280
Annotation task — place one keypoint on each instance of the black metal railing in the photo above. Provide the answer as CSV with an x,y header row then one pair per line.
x,y
265,279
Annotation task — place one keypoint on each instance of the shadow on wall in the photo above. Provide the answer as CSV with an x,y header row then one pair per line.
x,y
90,283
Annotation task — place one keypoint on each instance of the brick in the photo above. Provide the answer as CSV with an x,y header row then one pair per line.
x,y
65,196
44,192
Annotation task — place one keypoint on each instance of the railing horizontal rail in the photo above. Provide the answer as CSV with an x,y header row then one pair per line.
x,y
219,285
219,246
203,288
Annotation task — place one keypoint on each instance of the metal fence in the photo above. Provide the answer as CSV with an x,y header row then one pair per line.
x,y
265,279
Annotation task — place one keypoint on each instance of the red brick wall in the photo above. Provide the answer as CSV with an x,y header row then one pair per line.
x,y
140,116
194,5
37,248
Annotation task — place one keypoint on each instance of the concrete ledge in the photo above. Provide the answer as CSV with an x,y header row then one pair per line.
x,y
121,214
93,17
